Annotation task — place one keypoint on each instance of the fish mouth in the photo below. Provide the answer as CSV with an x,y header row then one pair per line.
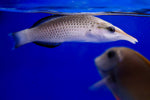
x,y
130,39
100,63
125,36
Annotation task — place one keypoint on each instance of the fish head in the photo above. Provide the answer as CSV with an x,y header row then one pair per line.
x,y
108,60
120,56
115,59
107,32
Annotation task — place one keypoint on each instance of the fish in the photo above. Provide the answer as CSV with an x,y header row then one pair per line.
x,y
54,30
125,72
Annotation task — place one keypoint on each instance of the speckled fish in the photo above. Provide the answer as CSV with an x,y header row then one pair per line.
x,y
54,30
125,72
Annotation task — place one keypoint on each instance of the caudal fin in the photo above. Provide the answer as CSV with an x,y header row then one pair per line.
x,y
20,38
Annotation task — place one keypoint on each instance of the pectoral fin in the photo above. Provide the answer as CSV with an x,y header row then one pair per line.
x,y
98,84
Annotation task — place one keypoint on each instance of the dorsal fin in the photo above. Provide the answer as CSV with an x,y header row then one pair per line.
x,y
44,20
143,58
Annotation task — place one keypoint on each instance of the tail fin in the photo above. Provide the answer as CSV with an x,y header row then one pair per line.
x,y
20,38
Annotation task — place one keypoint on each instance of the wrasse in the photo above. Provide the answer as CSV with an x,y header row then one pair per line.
x,y
51,31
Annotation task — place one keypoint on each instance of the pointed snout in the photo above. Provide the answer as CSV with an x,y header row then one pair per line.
x,y
127,37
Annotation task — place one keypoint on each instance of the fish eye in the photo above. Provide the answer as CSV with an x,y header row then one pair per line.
x,y
111,29
111,54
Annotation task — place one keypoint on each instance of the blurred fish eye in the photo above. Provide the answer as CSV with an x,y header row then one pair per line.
x,y
111,54
111,29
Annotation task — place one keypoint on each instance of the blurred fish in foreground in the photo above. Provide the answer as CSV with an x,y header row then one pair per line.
x,y
54,30
125,72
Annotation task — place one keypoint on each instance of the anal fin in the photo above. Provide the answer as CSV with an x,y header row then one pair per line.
x,y
47,44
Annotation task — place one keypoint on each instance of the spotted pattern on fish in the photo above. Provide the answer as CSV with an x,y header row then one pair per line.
x,y
64,28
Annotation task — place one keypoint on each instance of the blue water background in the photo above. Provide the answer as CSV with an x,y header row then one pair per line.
x,y
66,72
